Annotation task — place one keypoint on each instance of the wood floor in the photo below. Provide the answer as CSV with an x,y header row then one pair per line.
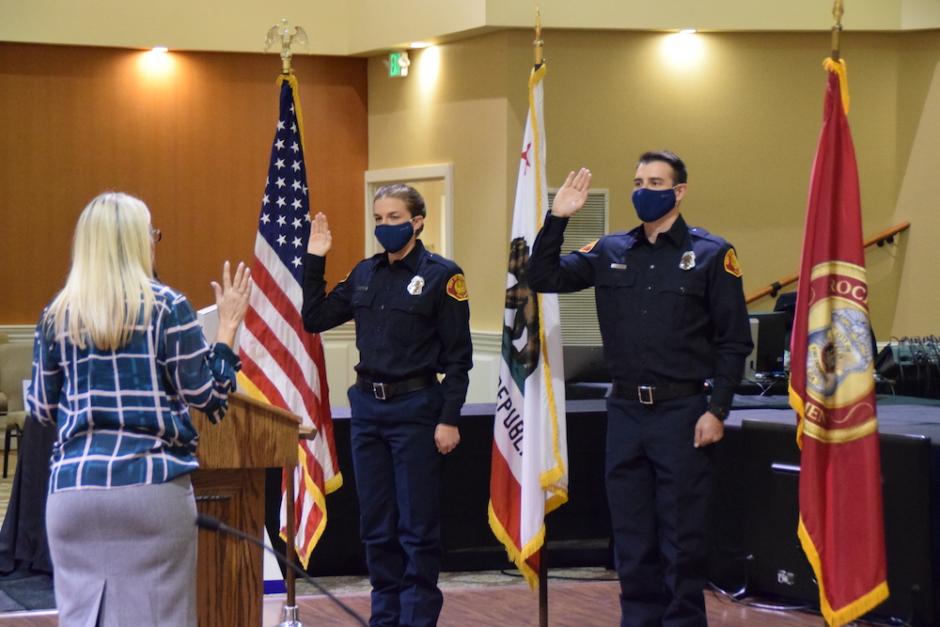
x,y
571,604
574,604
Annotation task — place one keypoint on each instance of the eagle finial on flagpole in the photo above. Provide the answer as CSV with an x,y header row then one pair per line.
x,y
837,12
538,43
287,36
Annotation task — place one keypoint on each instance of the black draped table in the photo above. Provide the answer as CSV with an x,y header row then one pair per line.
x,y
23,544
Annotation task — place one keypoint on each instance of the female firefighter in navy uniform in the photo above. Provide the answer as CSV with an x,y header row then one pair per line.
x,y
412,324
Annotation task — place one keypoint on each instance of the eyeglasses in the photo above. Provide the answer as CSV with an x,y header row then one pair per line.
x,y
155,235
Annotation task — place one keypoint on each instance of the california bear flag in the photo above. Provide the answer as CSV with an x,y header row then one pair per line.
x,y
529,473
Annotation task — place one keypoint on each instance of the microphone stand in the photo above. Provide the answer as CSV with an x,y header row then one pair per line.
x,y
213,524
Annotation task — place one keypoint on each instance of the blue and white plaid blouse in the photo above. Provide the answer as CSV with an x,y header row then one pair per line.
x,y
122,414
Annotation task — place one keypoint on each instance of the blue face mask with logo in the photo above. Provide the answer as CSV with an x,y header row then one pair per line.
x,y
394,237
652,204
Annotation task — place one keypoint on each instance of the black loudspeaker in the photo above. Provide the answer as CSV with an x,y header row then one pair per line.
x,y
777,564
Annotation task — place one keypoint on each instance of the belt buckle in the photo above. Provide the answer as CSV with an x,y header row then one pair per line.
x,y
378,391
645,394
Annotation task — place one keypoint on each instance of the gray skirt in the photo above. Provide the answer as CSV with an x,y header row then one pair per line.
x,y
124,556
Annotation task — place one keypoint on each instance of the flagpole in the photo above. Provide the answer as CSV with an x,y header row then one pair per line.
x,y
288,36
837,12
538,46
543,586
291,617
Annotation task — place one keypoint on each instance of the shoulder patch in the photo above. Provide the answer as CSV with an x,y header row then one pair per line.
x,y
731,264
588,247
457,288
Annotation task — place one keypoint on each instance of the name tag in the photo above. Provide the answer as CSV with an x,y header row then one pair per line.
x,y
618,266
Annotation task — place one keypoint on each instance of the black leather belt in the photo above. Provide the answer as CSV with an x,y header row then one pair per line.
x,y
651,394
385,391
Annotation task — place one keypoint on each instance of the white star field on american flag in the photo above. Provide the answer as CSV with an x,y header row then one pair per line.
x,y
285,206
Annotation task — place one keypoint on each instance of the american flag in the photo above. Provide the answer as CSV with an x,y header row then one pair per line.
x,y
281,362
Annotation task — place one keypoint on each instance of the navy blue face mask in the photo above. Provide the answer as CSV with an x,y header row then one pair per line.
x,y
394,237
652,204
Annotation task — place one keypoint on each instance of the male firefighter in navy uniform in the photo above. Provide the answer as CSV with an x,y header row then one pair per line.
x,y
671,308
412,324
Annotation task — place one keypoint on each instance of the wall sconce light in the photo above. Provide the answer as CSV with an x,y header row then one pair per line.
x,y
156,62
684,50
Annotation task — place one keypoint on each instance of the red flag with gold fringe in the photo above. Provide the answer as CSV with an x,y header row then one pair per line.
x,y
832,389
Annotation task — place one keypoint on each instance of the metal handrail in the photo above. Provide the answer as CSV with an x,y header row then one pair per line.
x,y
885,237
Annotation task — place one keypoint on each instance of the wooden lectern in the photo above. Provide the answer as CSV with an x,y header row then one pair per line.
x,y
229,486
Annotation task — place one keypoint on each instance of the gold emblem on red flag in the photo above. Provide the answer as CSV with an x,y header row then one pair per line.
x,y
839,382
457,288
731,264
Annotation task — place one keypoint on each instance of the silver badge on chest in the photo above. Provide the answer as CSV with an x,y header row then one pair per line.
x,y
688,260
416,286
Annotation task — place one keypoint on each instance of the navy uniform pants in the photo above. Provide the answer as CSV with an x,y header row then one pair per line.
x,y
658,488
398,477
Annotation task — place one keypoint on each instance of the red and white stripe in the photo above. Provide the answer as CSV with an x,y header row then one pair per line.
x,y
286,364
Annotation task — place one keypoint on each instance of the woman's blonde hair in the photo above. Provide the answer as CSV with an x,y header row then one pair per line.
x,y
107,295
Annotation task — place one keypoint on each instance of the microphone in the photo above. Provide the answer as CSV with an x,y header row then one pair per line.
x,y
204,521
208,522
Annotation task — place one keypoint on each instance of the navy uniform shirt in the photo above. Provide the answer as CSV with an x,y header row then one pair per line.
x,y
412,318
672,311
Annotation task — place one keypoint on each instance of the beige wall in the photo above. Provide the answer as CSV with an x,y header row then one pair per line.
x,y
364,26
916,310
745,119
711,15
461,117
220,25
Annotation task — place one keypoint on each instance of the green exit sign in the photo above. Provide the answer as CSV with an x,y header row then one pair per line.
x,y
394,65
398,63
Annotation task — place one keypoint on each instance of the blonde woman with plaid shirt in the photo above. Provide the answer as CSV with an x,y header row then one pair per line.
x,y
118,359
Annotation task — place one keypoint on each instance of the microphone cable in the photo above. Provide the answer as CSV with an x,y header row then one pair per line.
x,y
204,521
